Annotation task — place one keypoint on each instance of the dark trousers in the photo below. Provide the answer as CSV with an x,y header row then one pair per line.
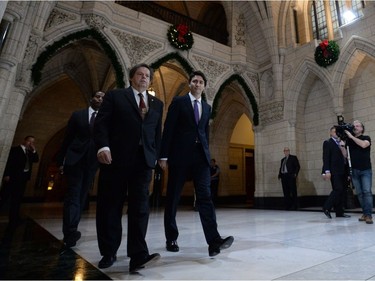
x,y
116,184
214,190
337,196
80,178
199,170
13,191
288,182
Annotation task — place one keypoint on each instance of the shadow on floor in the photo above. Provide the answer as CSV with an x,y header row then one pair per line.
x,y
29,252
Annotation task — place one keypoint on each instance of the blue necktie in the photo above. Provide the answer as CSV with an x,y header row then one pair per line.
x,y
196,111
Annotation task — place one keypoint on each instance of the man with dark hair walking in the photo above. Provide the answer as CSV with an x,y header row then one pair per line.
x,y
185,152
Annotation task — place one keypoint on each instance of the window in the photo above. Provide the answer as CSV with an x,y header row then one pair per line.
x,y
342,12
319,23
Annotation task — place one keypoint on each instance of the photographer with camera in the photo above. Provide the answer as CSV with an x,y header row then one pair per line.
x,y
359,146
334,170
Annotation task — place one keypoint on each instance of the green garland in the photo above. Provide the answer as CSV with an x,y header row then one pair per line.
x,y
327,53
180,37
248,93
45,56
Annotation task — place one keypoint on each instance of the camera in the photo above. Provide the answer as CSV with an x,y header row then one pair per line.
x,y
342,127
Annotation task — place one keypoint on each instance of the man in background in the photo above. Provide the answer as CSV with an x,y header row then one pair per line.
x,y
334,169
77,160
16,174
359,146
288,173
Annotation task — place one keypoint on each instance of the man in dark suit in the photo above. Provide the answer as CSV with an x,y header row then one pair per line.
x,y
127,133
77,160
16,174
335,170
288,172
185,152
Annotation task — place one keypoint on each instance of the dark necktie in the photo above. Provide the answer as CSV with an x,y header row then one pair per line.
x,y
92,120
196,111
142,106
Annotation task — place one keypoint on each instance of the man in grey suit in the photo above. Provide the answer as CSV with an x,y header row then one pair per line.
x,y
185,152
77,160
127,133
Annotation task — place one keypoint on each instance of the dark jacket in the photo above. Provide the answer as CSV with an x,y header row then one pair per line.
x,y
181,131
120,127
78,142
292,165
333,160
16,162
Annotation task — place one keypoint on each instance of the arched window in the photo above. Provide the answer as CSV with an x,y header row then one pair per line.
x,y
342,12
319,23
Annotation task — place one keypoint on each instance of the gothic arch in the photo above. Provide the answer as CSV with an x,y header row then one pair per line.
x,y
247,91
351,56
36,71
303,72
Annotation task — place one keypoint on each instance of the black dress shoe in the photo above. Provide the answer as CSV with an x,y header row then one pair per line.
x,y
219,244
71,239
136,264
107,261
172,246
342,216
327,213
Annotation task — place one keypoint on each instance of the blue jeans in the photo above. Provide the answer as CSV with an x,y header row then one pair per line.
x,y
362,181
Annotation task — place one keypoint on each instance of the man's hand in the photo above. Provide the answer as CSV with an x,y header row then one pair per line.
x,y
105,157
163,164
327,176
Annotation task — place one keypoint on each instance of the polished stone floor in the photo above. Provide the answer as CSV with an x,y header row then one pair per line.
x,y
269,245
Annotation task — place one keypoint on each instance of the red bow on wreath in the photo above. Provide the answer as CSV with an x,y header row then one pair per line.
x,y
182,31
323,45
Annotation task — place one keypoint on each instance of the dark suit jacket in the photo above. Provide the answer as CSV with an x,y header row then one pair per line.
x,y
292,165
119,126
181,131
78,142
17,161
333,160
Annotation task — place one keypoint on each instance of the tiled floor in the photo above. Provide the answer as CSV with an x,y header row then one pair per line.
x,y
269,245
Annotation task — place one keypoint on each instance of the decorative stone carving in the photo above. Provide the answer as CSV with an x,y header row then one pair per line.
x,y
240,31
58,17
210,93
254,82
24,69
271,112
213,70
95,21
136,47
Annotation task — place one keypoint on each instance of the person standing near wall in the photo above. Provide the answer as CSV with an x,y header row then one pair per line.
x,y
288,172
16,174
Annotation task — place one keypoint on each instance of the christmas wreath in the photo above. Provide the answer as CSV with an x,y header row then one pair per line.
x,y
326,53
180,37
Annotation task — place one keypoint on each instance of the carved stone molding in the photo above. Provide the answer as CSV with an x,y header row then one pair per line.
x,y
95,21
240,31
136,47
213,70
58,17
271,112
254,81
24,68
